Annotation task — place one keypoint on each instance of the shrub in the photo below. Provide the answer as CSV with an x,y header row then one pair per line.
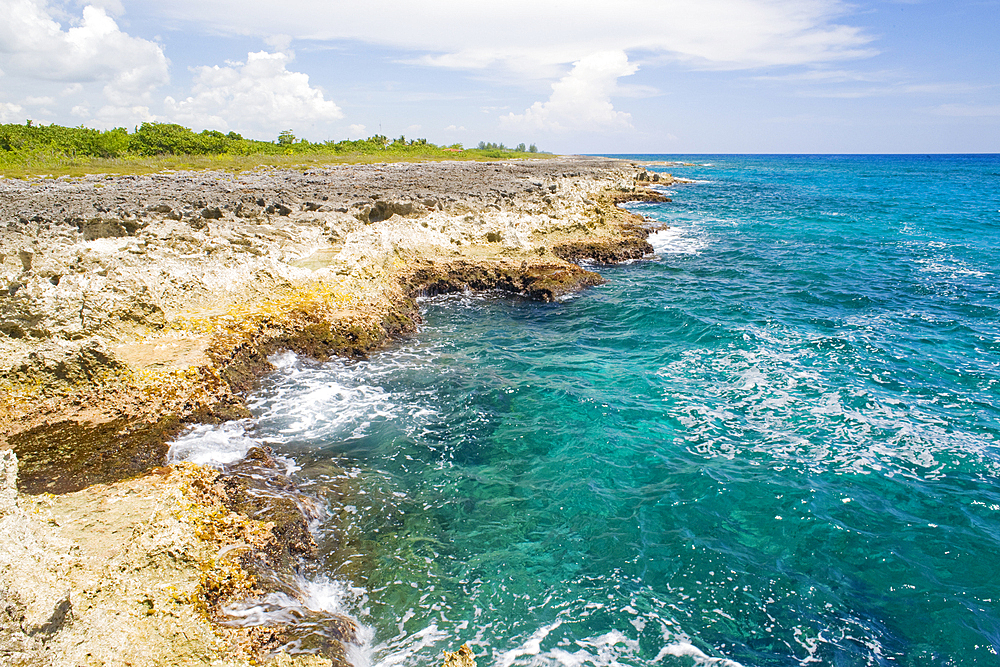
x,y
29,145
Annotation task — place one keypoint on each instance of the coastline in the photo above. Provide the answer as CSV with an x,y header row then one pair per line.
x,y
140,305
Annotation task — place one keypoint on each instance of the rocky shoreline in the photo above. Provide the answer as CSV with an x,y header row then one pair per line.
x,y
134,306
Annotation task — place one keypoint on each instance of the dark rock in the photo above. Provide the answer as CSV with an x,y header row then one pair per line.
x,y
69,455
60,613
383,210
280,209
604,252
131,226
100,228
540,282
144,312
26,256
642,194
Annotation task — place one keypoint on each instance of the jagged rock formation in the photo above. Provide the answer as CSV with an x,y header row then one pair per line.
x,y
132,306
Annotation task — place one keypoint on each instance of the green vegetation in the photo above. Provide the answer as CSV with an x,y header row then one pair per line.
x,y
499,150
31,149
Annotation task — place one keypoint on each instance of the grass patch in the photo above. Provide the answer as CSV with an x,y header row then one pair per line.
x,y
50,150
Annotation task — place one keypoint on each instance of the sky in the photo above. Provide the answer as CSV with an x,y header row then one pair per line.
x,y
622,76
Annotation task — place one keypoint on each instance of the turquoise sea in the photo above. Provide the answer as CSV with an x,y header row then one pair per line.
x,y
776,442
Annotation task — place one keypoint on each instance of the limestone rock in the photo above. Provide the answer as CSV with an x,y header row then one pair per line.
x,y
132,304
463,657
8,482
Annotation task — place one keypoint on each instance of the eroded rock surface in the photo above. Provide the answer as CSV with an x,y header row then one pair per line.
x,y
127,574
129,297
132,306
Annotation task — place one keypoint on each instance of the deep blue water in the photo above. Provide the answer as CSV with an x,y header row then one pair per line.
x,y
776,442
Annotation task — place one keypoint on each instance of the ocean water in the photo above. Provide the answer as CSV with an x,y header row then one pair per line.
x,y
775,442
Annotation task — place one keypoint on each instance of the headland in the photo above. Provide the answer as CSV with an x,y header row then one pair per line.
x,y
135,306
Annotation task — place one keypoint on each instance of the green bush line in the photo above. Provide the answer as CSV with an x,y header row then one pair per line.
x,y
28,147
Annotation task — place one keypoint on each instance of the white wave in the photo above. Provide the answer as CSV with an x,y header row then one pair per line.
x,y
758,390
677,241
319,402
605,650
309,601
685,649
950,268
408,650
283,360
213,445
531,646
321,595
329,595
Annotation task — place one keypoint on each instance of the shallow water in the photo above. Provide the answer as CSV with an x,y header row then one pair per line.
x,y
774,443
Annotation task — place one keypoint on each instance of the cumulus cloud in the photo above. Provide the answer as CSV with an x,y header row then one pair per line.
x,y
260,95
10,113
530,41
581,99
113,115
34,45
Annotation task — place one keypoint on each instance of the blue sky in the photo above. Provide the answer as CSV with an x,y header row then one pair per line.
x,y
665,76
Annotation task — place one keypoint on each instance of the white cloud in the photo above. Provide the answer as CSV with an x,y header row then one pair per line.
x,y
113,7
527,42
825,76
35,46
91,56
111,115
968,110
526,35
278,42
356,130
39,101
581,99
849,84
258,96
10,113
